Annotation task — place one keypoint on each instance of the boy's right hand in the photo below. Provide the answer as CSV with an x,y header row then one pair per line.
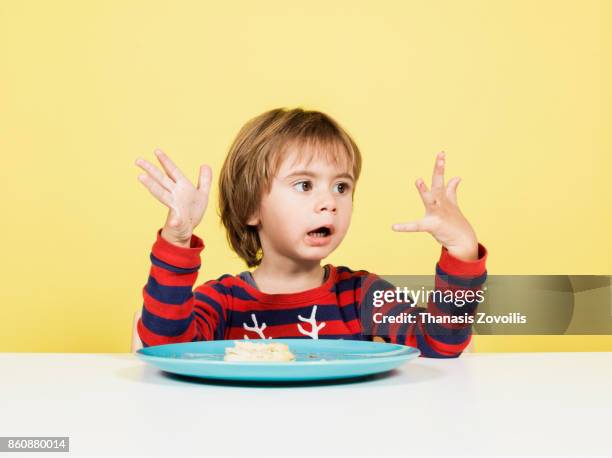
x,y
186,203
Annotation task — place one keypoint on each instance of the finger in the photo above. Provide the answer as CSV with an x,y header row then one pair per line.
x,y
204,179
172,170
426,196
156,189
413,226
437,179
451,189
155,173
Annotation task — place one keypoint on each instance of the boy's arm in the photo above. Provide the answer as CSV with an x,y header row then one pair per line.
x,y
171,312
461,269
437,340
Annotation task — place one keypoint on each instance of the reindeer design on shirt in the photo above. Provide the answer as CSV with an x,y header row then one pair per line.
x,y
314,327
259,330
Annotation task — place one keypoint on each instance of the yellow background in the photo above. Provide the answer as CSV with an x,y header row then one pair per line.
x,y
517,93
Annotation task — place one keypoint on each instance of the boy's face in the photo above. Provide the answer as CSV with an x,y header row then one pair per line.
x,y
308,210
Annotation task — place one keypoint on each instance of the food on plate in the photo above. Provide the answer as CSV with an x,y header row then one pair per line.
x,y
253,351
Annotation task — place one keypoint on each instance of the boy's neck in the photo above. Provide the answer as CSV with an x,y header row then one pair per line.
x,y
286,276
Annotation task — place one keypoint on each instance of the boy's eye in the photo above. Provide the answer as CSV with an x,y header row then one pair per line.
x,y
341,188
303,186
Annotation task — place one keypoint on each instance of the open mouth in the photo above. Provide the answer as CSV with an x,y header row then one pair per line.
x,y
321,232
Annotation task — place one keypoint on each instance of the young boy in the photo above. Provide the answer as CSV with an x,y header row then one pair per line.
x,y
286,198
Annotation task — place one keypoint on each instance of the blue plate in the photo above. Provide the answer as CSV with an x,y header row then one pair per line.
x,y
315,360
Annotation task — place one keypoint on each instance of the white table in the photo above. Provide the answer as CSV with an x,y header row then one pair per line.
x,y
477,405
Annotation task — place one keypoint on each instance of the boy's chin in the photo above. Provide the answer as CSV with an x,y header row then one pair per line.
x,y
312,254
313,258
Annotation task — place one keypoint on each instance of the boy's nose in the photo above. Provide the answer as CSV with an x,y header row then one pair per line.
x,y
327,203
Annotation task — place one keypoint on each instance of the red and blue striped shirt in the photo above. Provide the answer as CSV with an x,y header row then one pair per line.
x,y
231,308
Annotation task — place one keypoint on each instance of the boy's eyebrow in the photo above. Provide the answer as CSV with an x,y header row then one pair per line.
x,y
310,174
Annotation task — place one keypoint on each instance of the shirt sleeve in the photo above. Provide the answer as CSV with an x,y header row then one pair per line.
x,y
433,334
172,312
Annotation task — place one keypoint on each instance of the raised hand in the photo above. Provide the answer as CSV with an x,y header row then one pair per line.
x,y
186,203
443,219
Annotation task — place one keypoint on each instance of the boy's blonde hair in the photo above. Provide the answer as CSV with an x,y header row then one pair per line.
x,y
254,159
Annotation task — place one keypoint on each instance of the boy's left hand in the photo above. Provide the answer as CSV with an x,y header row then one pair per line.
x,y
443,219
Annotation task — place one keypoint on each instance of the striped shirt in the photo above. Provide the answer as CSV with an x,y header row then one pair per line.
x,y
231,308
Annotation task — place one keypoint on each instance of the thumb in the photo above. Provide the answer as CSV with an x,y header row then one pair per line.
x,y
204,179
413,226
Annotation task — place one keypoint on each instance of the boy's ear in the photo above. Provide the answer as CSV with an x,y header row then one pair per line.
x,y
253,220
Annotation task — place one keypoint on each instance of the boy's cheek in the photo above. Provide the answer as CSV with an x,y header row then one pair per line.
x,y
347,218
